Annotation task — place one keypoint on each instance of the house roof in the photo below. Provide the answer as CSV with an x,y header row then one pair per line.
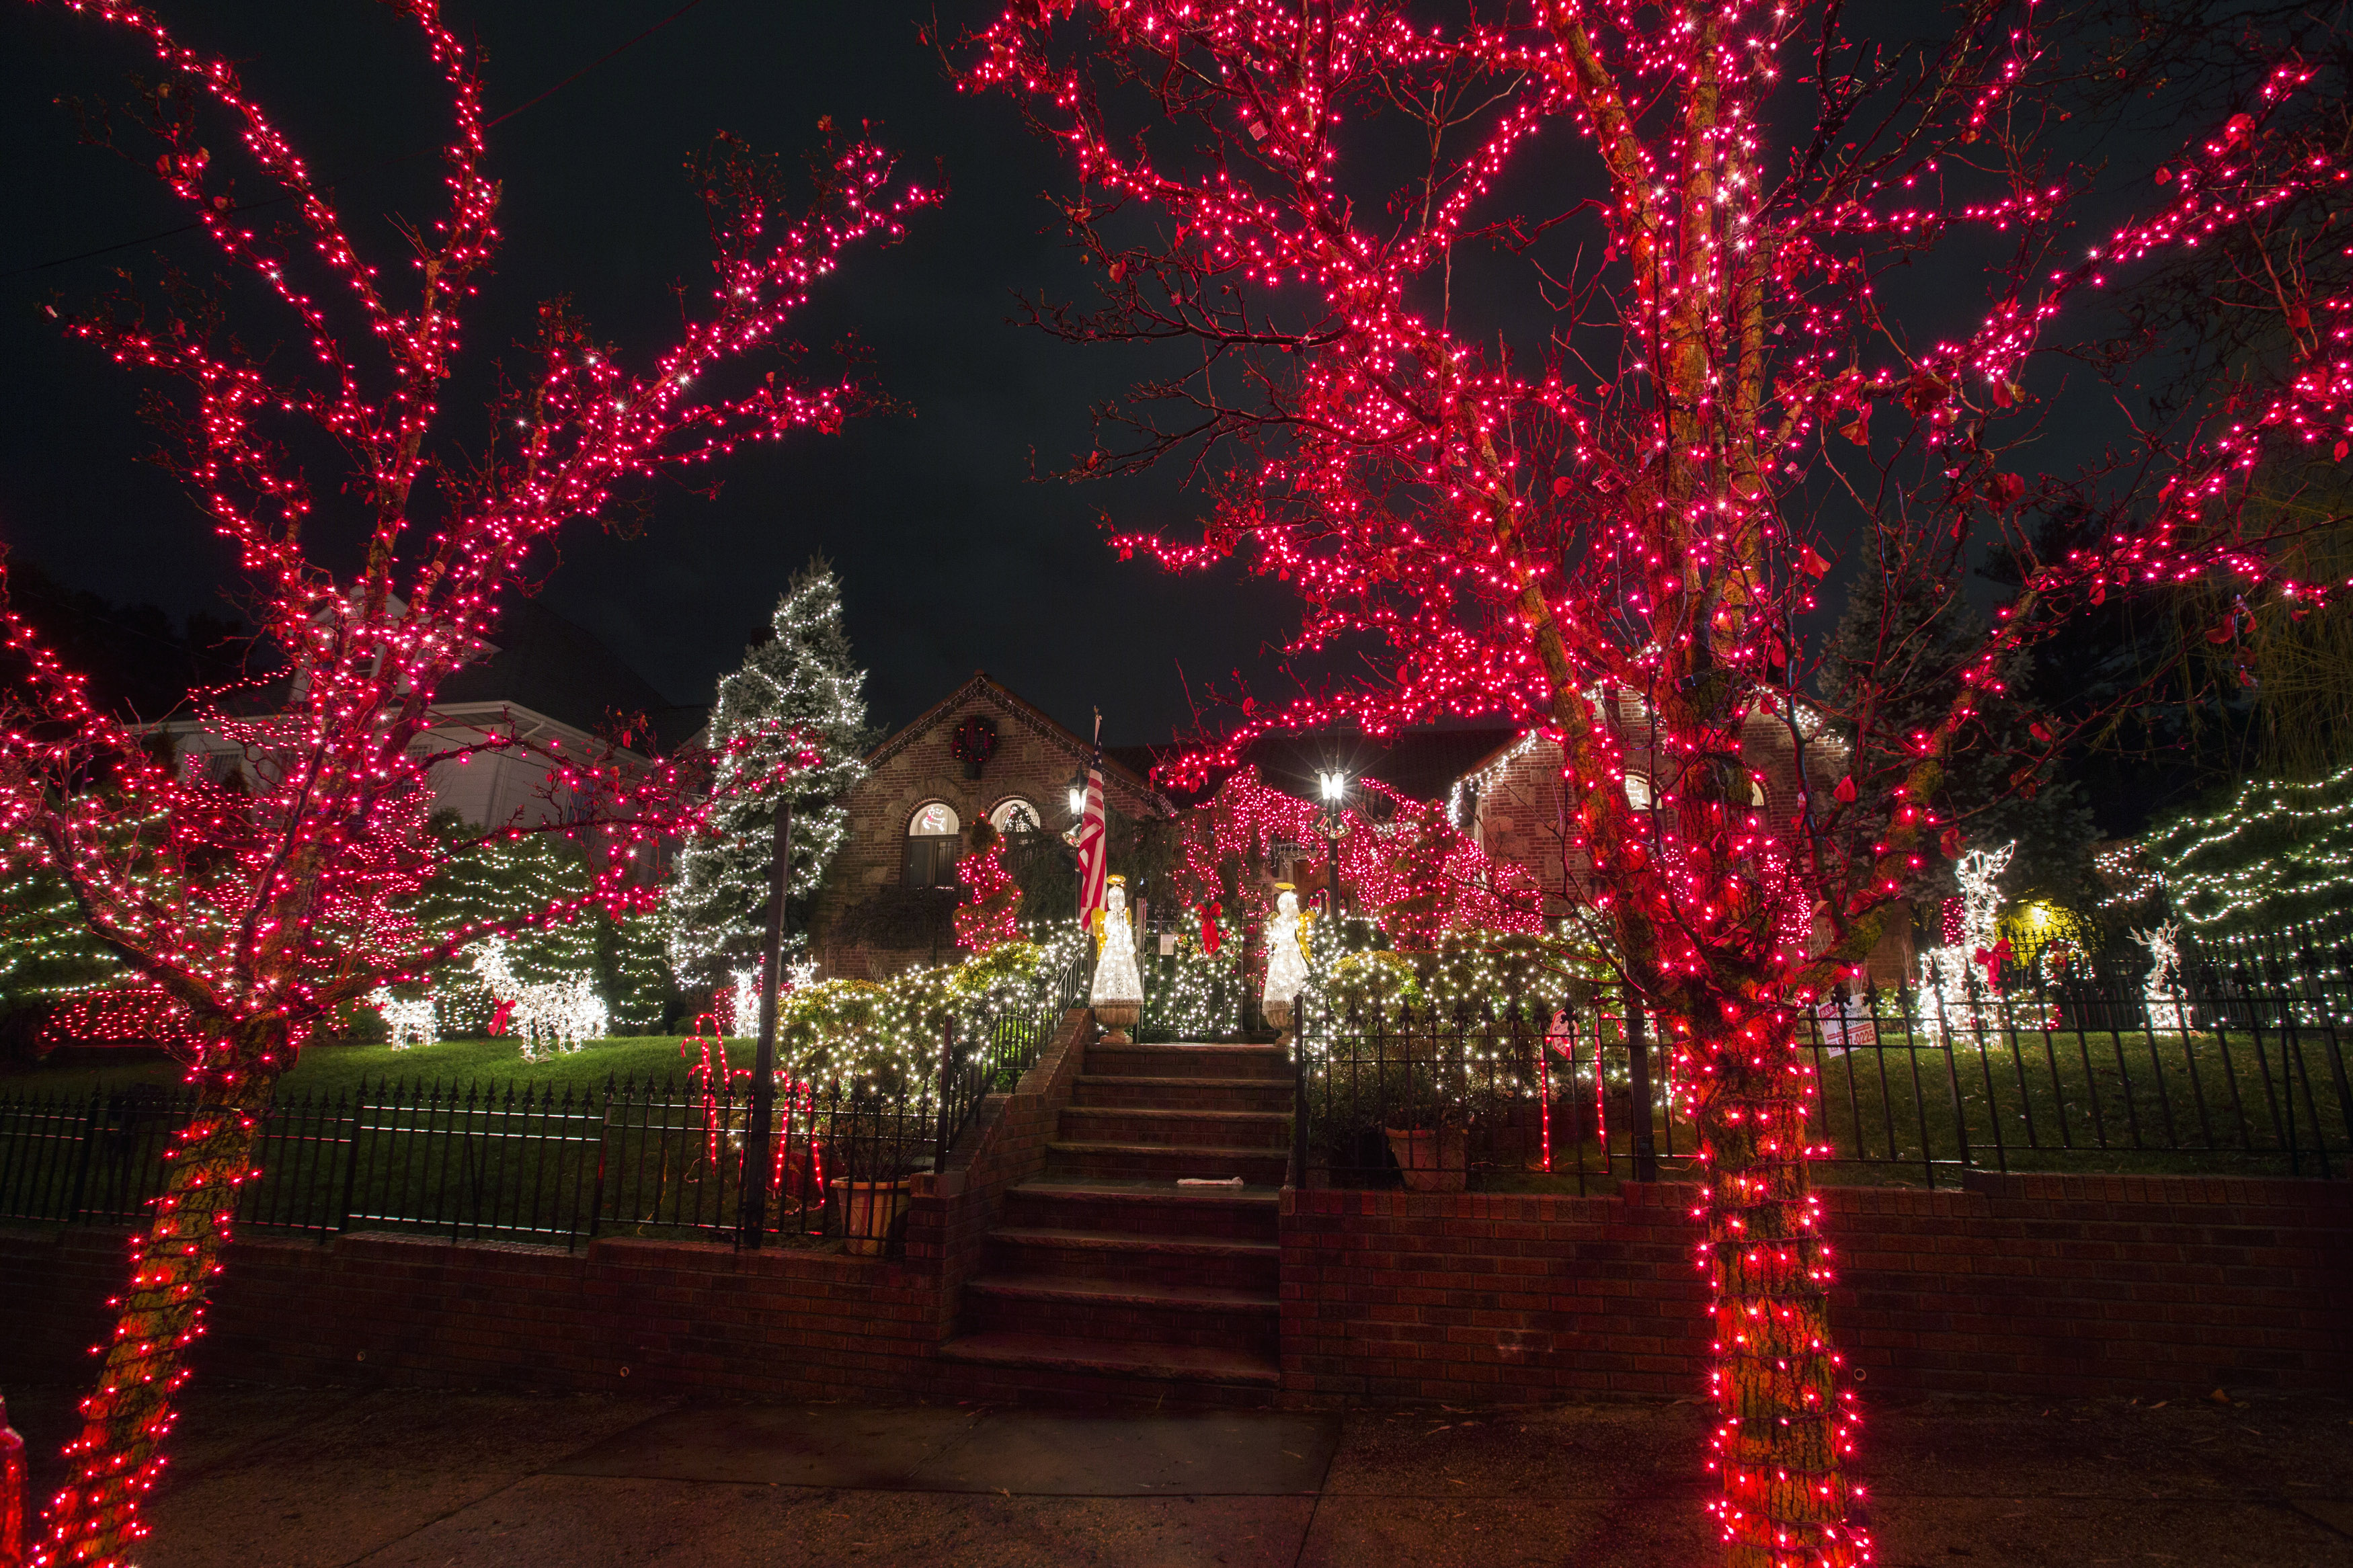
x,y
1420,765
993,693
545,663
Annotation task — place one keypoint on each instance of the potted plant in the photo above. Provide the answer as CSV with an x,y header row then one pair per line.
x,y
874,1186
1428,1127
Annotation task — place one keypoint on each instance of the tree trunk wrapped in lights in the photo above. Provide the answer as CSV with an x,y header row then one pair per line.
x,y
116,1459
1538,350
257,907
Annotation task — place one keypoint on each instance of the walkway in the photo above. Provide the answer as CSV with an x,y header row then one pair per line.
x,y
321,1478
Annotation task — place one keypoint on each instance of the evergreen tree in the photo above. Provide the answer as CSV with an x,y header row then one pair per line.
x,y
478,885
798,688
46,952
634,963
992,898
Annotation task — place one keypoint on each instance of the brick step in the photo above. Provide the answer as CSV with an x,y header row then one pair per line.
x,y
1127,1258
1185,1093
1174,1364
1144,1209
1203,1315
1260,1167
1261,1062
1187,1129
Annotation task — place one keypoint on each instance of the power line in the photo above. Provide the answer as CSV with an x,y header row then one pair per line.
x,y
625,44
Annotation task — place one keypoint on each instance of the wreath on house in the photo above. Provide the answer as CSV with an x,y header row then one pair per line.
x,y
973,743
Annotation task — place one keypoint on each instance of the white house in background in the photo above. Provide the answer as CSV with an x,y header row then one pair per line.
x,y
543,680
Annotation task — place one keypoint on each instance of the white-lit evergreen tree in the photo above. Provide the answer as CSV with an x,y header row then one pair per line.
x,y
635,963
476,885
800,682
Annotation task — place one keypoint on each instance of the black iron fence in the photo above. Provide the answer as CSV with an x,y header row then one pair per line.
x,y
478,1162
552,1166
2058,1062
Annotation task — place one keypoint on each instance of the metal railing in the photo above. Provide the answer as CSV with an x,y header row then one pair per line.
x,y
482,1161
993,1053
507,1161
2235,1063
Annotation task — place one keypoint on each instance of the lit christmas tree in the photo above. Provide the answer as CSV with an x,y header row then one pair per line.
x,y
800,687
992,901
47,954
476,888
634,958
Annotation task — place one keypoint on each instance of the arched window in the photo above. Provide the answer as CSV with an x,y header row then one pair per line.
x,y
934,843
1013,817
1638,791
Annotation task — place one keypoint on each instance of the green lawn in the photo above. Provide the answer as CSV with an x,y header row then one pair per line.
x,y
1908,1112
330,1068
2088,1102
498,1149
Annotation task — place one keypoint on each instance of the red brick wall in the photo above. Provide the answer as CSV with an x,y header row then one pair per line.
x,y
949,1219
2054,1285
619,1314
678,1315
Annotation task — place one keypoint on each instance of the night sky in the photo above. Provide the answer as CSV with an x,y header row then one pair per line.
x,y
954,558
955,552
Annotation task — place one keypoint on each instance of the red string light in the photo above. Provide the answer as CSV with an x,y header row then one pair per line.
x,y
253,912
1611,541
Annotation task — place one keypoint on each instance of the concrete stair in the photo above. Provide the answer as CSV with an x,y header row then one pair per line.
x,y
1103,1276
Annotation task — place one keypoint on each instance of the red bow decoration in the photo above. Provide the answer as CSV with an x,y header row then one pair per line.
x,y
1209,927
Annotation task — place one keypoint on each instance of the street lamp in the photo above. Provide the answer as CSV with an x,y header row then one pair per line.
x,y
1334,826
1078,794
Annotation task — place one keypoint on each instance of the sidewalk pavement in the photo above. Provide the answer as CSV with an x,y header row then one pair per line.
x,y
277,1478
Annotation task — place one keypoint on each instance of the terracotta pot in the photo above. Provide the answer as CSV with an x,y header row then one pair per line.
x,y
1434,1159
1117,1018
870,1212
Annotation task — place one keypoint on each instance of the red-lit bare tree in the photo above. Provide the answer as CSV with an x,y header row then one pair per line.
x,y
1343,217
259,910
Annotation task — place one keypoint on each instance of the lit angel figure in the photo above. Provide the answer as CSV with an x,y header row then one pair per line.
x,y
1959,981
1286,958
1118,990
2164,982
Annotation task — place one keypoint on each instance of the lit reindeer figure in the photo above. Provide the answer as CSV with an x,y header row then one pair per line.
x,y
2164,977
411,1023
549,1017
1955,985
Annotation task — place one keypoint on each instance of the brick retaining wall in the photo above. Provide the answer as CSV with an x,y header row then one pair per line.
x,y
2053,1285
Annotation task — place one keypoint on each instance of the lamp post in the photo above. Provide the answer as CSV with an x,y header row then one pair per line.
x,y
751,1215
1336,826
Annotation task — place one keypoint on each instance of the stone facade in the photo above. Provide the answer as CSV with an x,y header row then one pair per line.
x,y
861,924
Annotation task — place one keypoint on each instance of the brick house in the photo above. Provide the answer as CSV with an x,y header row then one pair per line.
x,y
887,897
1512,801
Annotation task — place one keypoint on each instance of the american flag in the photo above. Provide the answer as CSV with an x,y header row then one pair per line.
x,y
1092,861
